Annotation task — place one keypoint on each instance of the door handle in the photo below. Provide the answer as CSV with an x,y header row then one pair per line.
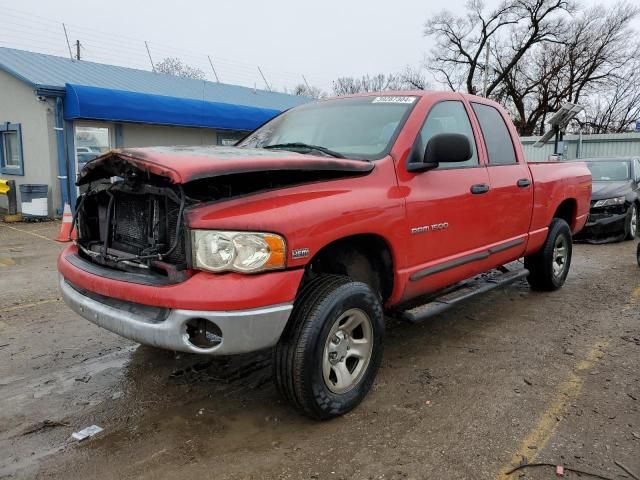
x,y
479,188
524,182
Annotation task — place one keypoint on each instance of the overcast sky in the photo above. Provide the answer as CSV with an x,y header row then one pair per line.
x,y
287,38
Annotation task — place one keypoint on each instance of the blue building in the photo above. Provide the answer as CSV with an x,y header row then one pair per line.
x,y
57,113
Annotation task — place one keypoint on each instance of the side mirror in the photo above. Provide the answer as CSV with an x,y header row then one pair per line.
x,y
443,147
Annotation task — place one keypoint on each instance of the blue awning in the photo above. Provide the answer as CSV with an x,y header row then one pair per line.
x,y
93,103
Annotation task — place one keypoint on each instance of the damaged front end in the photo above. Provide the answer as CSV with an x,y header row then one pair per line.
x,y
131,213
135,224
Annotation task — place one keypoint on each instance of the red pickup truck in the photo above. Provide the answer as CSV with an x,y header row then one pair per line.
x,y
303,235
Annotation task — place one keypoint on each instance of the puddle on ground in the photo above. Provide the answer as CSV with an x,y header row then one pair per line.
x,y
7,262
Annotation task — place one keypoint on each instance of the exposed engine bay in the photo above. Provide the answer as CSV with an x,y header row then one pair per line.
x,y
135,221
131,225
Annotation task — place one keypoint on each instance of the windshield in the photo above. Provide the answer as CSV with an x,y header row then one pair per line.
x,y
360,127
610,171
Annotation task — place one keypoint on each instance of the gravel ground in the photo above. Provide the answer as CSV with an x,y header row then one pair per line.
x,y
510,377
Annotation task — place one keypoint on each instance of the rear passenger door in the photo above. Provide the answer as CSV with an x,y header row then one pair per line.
x,y
511,194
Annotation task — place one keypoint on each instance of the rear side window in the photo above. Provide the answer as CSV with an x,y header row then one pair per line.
x,y
496,135
448,117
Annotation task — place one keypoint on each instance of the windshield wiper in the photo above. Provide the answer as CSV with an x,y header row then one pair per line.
x,y
294,145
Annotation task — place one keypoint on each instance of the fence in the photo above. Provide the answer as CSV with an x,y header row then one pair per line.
x,y
586,146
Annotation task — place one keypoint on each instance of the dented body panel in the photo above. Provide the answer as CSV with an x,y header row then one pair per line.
x,y
185,164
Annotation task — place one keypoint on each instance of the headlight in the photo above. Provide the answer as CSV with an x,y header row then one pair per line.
x,y
609,202
220,251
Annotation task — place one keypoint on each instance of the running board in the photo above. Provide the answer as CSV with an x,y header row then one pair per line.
x,y
466,290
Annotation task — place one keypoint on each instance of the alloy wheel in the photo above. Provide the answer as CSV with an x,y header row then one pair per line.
x,y
347,351
560,251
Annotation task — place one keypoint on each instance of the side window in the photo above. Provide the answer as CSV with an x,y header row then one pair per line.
x,y
637,170
11,160
448,117
496,135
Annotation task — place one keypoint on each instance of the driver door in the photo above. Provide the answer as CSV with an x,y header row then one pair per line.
x,y
447,208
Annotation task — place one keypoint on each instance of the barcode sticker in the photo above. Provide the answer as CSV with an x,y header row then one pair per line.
x,y
394,99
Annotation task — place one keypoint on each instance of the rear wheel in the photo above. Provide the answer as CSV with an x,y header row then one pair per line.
x,y
329,355
638,254
631,223
549,267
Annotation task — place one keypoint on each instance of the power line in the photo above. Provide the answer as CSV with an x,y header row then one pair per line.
x,y
113,45
122,50
125,41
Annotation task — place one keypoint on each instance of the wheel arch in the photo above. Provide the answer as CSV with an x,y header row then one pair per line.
x,y
365,257
567,210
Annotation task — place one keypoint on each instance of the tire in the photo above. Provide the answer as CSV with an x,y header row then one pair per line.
x,y
332,318
631,223
638,254
549,267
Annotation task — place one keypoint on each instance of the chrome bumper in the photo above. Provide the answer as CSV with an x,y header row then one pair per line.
x,y
242,330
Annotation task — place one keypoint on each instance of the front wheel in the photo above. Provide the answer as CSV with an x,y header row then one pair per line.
x,y
631,223
549,267
330,352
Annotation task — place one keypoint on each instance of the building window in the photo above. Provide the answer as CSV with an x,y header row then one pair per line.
x,y
229,138
90,141
11,161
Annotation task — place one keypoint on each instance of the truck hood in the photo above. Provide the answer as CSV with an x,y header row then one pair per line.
x,y
185,164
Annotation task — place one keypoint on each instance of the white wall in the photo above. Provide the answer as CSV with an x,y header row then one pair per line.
x,y
19,104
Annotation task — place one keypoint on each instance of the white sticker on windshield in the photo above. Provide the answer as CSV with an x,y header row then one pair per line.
x,y
394,99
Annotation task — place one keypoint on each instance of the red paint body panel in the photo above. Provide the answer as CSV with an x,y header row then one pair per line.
x,y
203,291
385,200
184,164
555,182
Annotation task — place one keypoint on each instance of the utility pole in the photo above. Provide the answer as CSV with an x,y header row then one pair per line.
x,y
306,83
265,80
153,67
77,49
486,72
214,70
64,27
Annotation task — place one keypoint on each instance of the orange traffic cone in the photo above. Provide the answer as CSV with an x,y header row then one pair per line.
x,y
67,233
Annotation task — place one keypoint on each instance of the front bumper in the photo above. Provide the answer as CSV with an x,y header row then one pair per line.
x,y
242,330
601,225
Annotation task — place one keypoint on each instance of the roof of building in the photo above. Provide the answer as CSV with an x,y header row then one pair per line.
x,y
51,72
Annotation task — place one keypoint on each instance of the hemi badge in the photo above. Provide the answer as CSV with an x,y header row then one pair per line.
x,y
300,253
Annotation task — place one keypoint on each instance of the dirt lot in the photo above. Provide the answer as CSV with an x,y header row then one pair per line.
x,y
551,378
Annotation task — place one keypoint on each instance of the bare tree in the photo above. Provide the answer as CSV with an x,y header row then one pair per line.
x,y
586,62
617,109
413,79
366,83
304,90
174,66
461,40
409,79
540,58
